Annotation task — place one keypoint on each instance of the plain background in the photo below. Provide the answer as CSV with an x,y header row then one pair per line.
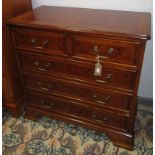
x,y
146,82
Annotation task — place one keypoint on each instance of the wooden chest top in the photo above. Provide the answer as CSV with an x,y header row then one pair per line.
x,y
103,22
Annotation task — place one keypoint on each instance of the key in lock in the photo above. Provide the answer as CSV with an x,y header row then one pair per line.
x,y
98,67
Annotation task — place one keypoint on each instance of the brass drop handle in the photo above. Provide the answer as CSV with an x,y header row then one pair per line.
x,y
104,119
41,87
106,98
101,81
45,105
43,45
96,51
49,106
108,78
36,63
44,88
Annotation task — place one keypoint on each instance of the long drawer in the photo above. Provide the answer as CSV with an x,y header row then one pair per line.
x,y
63,106
112,50
40,41
111,77
105,98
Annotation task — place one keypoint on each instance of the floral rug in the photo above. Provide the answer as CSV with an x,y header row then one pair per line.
x,y
51,137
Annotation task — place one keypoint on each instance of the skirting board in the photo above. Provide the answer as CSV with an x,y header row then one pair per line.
x,y
145,101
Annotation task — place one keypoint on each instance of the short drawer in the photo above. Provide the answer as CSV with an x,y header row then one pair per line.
x,y
117,51
111,77
63,106
47,42
101,97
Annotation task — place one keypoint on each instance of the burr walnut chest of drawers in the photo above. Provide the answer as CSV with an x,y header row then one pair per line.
x,y
57,50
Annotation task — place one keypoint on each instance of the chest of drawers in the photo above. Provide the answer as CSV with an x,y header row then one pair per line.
x,y
56,50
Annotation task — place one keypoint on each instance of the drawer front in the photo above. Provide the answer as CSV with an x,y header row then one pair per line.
x,y
47,42
117,51
103,98
111,77
60,105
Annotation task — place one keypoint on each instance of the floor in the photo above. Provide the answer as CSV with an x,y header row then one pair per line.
x,y
50,137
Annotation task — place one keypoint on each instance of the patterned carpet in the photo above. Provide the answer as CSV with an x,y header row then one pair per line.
x,y
50,137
